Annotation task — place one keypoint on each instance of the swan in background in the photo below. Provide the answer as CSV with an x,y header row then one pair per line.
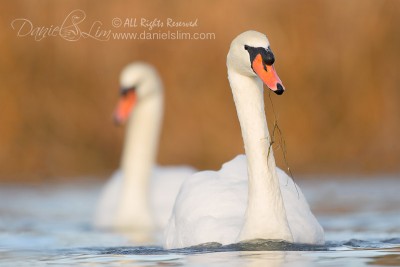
x,y
140,196
249,197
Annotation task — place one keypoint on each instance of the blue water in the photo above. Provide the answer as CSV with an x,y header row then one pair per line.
x,y
51,226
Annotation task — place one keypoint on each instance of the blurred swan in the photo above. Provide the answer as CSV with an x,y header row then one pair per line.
x,y
249,197
140,195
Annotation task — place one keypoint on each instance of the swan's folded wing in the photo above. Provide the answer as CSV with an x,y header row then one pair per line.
x,y
304,226
108,200
165,183
209,206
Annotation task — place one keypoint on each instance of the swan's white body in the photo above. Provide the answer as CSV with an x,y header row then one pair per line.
x,y
164,186
249,198
215,204
140,195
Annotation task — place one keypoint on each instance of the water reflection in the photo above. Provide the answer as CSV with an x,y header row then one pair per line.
x,y
392,258
52,225
118,260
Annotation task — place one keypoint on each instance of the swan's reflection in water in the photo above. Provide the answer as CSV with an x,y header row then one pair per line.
x,y
51,225
250,259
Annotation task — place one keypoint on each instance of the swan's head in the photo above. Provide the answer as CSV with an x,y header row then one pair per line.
x,y
138,82
250,55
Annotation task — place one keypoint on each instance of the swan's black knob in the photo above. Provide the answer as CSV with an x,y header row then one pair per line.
x,y
279,89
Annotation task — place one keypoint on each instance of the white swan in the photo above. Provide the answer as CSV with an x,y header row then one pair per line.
x,y
140,195
249,198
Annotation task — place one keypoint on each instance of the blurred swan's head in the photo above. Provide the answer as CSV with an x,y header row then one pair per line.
x,y
138,81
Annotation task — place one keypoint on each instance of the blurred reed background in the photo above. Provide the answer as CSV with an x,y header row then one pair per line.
x,y
339,61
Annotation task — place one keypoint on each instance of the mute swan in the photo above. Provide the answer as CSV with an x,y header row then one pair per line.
x,y
249,197
140,195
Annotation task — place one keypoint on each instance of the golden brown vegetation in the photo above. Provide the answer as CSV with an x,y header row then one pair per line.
x,y
339,61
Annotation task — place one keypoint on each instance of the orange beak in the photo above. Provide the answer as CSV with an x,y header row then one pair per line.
x,y
125,106
268,75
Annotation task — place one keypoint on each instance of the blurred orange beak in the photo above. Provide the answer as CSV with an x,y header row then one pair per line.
x,y
124,107
268,75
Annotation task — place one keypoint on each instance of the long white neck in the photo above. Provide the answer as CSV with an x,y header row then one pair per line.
x,y
138,158
265,214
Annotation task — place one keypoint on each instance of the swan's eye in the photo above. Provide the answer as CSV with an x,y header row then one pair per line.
x,y
246,47
125,91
